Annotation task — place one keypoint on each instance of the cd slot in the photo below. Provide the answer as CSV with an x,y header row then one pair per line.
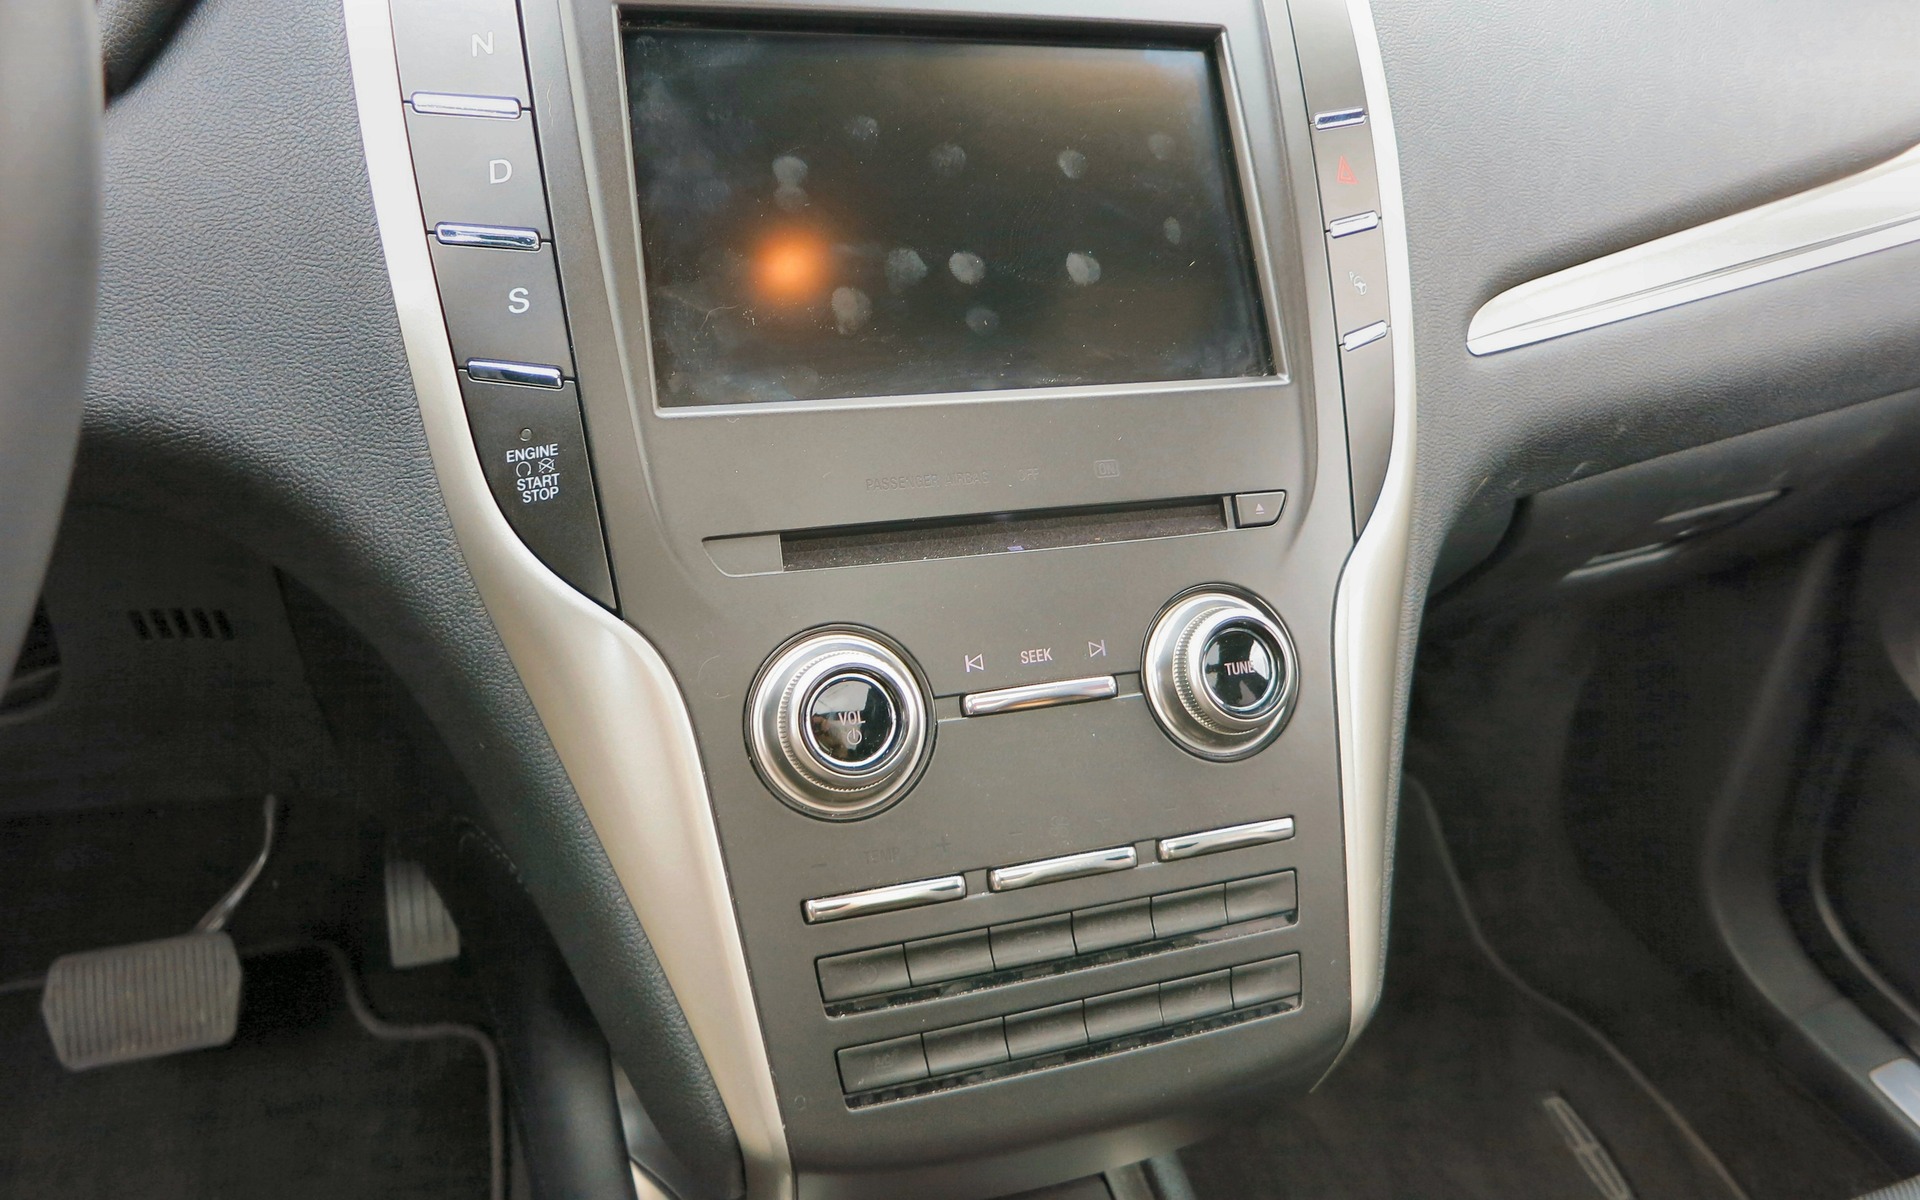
x,y
967,536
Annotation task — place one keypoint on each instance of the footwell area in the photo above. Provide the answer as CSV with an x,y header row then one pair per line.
x,y
1461,1087
305,1103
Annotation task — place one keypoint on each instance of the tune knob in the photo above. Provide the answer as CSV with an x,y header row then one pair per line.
x,y
1221,674
837,724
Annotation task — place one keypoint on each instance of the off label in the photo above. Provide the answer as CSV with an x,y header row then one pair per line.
x,y
536,472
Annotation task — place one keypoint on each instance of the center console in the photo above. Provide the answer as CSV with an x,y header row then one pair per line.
x,y
975,409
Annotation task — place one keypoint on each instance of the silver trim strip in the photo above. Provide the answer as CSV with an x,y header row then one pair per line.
x,y
1231,837
1899,1082
1366,335
1341,227
494,237
1039,695
1874,210
891,898
1340,118
1371,623
604,693
446,104
489,370
1067,866
644,1187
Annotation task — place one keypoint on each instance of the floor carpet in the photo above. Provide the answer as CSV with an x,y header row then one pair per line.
x,y
1451,1091
304,1103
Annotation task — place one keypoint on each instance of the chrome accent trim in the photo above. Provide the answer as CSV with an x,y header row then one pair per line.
x,y
1372,622
491,370
494,237
1039,695
782,745
1366,335
1066,866
1341,227
1340,118
1899,1082
645,1187
1874,210
1171,672
1231,837
891,898
607,698
446,104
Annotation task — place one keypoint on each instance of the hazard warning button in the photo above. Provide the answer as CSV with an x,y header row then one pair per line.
x,y
1343,159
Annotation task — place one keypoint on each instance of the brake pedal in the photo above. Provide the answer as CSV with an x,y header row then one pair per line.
x,y
150,999
420,930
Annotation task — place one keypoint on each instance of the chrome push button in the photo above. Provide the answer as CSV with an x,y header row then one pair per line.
x,y
1221,675
838,724
851,719
1241,669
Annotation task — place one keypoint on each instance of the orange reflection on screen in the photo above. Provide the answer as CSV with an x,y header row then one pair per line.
x,y
790,266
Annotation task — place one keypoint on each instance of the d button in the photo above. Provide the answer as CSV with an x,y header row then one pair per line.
x,y
478,172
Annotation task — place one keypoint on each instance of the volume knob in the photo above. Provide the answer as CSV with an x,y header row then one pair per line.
x,y
837,724
1221,674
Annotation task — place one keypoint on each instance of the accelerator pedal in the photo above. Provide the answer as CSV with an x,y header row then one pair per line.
x,y
150,999
420,930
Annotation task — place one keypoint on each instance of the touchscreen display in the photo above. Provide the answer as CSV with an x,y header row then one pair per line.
x,y
828,215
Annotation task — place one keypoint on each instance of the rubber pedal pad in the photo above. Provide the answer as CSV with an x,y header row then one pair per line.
x,y
420,930
146,1000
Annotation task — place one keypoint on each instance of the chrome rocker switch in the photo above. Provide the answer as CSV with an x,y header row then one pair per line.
x,y
1039,695
1067,866
891,898
1232,837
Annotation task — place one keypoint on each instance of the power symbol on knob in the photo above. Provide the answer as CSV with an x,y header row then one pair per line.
x,y
838,724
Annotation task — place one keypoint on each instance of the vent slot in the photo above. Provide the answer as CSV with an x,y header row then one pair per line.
x,y
180,624
998,533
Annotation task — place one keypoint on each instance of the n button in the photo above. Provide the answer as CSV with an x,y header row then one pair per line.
x,y
467,47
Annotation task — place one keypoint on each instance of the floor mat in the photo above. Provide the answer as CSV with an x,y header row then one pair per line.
x,y
1452,1092
304,1103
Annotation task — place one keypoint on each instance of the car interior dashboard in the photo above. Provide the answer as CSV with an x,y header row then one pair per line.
x,y
980,597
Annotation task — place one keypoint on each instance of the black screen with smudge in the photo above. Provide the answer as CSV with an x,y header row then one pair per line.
x,y
833,215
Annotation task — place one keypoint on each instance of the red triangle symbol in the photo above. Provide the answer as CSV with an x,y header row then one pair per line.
x,y
1344,173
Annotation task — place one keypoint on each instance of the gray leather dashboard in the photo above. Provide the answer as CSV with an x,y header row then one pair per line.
x,y
1537,136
